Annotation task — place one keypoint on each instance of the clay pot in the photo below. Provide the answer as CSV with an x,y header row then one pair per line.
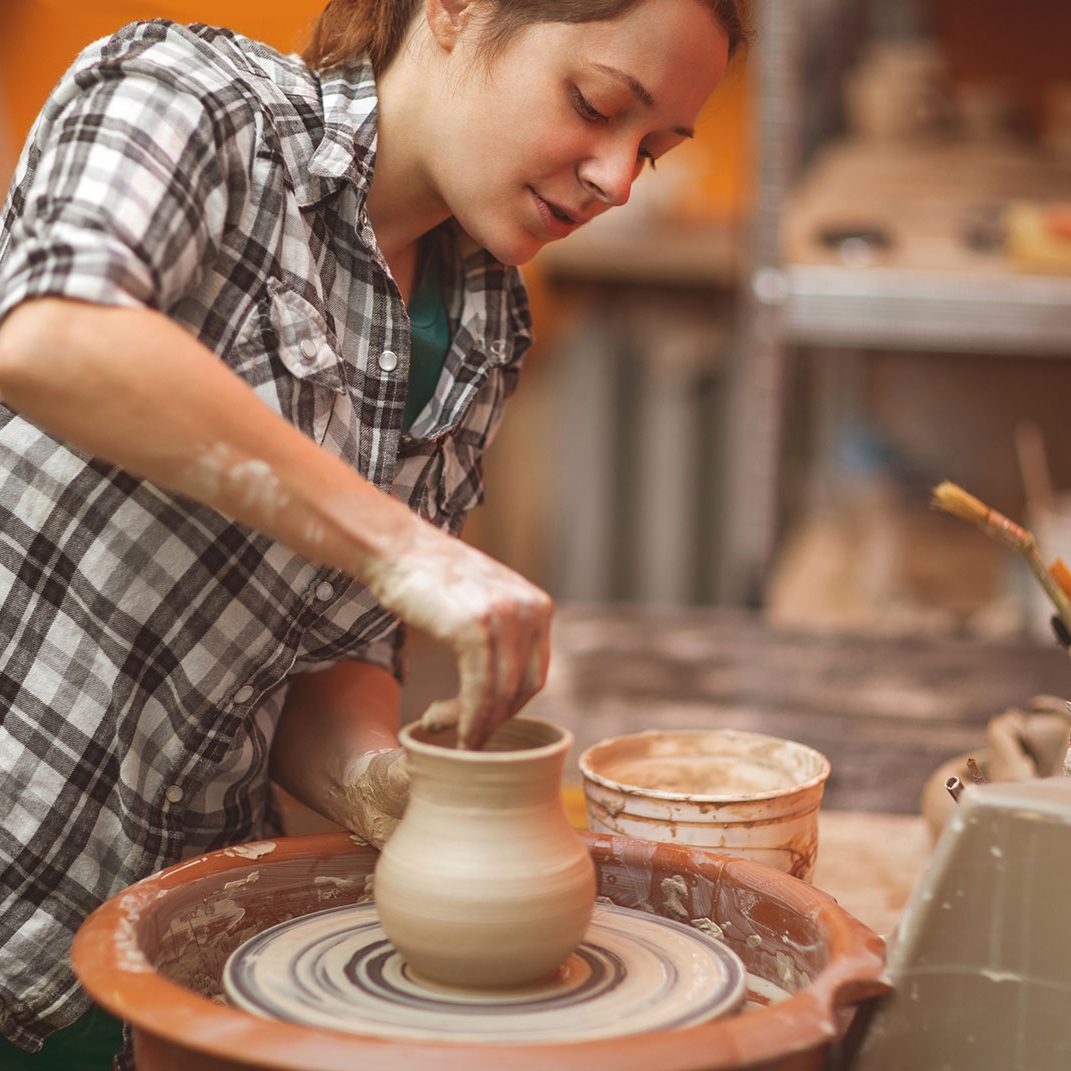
x,y
484,882
153,955
936,804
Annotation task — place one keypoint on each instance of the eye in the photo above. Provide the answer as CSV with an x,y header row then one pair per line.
x,y
646,155
585,110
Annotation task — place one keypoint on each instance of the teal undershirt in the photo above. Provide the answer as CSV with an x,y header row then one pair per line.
x,y
430,339
88,1044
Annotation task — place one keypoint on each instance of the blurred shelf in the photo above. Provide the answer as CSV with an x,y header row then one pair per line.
x,y
942,280
999,312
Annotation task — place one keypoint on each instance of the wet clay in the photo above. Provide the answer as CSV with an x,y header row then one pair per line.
x,y
513,885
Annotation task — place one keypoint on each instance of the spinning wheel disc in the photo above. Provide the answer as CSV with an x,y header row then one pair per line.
x,y
633,973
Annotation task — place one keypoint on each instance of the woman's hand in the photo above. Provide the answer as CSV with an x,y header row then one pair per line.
x,y
372,796
496,622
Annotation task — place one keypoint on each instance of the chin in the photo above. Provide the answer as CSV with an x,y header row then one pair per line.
x,y
514,258
512,246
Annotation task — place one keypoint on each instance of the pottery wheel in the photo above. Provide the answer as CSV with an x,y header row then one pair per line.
x,y
634,972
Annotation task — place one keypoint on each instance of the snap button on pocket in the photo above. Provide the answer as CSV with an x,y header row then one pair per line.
x,y
388,360
305,345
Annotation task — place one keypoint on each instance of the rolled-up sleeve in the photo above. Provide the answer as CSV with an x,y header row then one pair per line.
x,y
124,193
388,653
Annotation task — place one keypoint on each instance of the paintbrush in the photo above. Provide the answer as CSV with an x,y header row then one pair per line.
x,y
953,499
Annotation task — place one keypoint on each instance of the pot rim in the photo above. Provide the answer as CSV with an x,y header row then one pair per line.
x,y
591,774
512,756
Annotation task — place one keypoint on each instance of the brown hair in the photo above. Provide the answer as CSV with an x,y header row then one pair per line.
x,y
351,28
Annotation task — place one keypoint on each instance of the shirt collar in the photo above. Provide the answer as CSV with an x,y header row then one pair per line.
x,y
327,133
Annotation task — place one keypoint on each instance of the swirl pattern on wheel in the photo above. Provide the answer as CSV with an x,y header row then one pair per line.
x,y
634,972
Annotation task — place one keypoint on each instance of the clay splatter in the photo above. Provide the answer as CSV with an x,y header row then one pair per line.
x,y
253,850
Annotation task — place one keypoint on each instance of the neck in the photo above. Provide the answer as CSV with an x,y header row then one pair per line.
x,y
403,203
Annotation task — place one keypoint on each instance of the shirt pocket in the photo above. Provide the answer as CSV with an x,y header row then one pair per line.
x,y
460,480
289,356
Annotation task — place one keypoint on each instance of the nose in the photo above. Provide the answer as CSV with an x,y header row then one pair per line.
x,y
608,175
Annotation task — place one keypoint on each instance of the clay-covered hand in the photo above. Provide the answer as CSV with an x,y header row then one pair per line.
x,y
373,795
496,622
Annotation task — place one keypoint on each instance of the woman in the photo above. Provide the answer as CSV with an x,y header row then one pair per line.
x,y
258,320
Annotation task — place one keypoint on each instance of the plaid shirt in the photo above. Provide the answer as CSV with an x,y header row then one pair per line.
x,y
145,641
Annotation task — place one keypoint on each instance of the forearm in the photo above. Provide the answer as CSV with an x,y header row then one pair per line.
x,y
134,388
329,722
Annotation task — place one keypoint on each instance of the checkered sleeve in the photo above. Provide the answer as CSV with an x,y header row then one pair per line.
x,y
127,192
388,653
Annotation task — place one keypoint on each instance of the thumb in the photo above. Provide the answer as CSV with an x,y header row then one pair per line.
x,y
398,775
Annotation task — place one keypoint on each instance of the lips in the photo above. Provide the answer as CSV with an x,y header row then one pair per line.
x,y
557,221
561,213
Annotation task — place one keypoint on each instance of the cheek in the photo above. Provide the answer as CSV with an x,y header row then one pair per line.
x,y
533,141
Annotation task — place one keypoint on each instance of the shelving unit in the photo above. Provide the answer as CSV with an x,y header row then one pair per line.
x,y
928,291
638,382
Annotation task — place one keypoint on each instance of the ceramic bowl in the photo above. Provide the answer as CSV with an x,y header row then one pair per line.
x,y
742,794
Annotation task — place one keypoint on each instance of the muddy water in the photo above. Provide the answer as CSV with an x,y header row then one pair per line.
x,y
705,775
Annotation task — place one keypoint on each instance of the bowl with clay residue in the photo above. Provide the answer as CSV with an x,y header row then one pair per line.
x,y
742,794
154,957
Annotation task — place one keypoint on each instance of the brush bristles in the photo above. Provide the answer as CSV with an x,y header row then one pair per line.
x,y
948,496
953,499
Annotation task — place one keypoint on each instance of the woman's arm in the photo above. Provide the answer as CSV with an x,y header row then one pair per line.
x,y
134,388
336,747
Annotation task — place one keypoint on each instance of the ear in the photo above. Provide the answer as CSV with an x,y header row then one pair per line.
x,y
448,19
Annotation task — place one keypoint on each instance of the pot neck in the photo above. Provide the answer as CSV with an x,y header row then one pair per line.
x,y
461,779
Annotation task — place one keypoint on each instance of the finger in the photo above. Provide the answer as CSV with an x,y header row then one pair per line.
x,y
465,710
442,714
534,675
512,640
380,832
478,695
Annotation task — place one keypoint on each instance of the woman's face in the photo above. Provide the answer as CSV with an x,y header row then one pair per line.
x,y
567,116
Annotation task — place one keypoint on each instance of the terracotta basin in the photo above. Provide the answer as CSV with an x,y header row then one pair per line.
x,y
153,955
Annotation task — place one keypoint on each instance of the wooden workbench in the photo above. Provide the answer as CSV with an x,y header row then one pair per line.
x,y
885,711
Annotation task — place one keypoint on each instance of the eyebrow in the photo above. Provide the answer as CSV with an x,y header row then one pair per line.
x,y
639,91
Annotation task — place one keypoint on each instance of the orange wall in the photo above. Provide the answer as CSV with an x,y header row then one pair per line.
x,y
39,38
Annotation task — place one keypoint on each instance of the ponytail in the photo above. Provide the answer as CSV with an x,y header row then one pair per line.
x,y
351,28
